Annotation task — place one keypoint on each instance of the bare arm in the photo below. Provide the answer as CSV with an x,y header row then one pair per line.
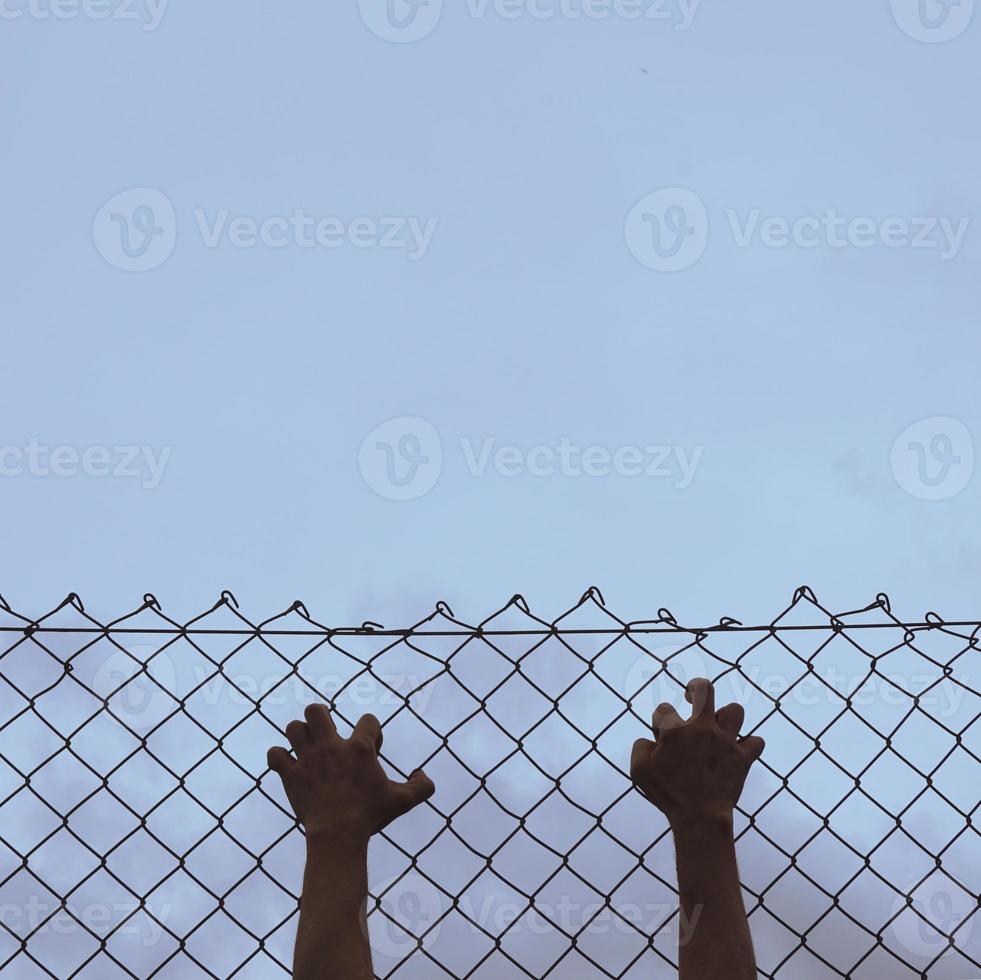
x,y
341,795
694,772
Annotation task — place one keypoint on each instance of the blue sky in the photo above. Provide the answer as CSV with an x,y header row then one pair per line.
x,y
527,321
458,234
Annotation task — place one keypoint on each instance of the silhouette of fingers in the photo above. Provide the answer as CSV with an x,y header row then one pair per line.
x,y
279,760
408,795
320,723
665,719
752,746
369,729
730,718
299,736
639,756
700,694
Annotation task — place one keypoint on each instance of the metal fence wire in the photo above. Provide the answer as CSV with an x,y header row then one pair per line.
x,y
141,834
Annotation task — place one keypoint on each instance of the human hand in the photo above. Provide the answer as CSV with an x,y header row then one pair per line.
x,y
697,768
336,786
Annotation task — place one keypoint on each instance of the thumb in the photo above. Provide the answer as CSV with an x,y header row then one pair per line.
x,y
280,761
752,747
408,795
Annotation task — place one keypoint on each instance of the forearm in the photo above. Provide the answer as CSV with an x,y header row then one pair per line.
x,y
714,938
332,936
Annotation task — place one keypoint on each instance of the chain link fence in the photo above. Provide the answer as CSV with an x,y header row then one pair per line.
x,y
142,836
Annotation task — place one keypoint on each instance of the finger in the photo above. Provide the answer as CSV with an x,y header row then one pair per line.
x,y
408,795
641,753
370,730
280,761
299,736
665,719
701,696
320,723
752,746
730,718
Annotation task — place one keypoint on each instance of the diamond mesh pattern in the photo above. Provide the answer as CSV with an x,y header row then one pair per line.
x,y
141,834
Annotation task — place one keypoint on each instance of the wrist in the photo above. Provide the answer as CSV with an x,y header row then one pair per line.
x,y
340,867
343,843
703,824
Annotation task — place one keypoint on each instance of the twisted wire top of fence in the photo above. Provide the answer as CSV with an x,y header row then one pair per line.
x,y
141,834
